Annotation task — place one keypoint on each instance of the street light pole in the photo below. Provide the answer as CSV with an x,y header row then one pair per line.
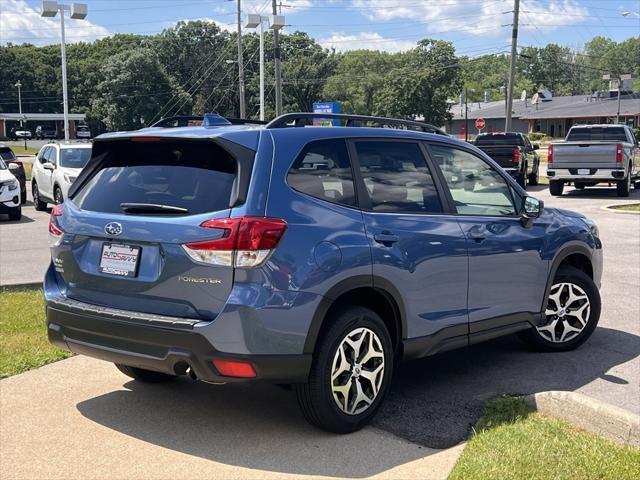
x,y
276,36
261,69
466,116
18,85
77,11
241,65
512,64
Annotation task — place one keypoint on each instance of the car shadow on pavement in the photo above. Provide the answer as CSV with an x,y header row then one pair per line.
x,y
23,219
252,426
436,401
433,402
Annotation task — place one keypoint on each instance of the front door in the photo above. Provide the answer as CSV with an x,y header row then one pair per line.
x,y
507,270
415,246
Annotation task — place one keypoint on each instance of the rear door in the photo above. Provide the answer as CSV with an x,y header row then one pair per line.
x,y
415,246
131,226
507,269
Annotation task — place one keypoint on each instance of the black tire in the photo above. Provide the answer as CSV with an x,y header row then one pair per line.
x,y
556,187
57,196
521,178
142,375
537,341
623,186
15,214
39,204
534,177
316,398
579,186
23,197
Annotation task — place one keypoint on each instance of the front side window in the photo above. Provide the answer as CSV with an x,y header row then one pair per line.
x,y
397,178
476,188
322,170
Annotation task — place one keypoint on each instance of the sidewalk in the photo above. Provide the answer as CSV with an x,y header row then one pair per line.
x,y
80,418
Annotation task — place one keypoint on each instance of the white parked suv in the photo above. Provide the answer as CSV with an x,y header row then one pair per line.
x,y
9,192
56,167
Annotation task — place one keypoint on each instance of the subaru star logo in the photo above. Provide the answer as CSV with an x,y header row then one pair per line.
x,y
113,228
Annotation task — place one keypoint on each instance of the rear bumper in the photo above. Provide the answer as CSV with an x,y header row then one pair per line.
x,y
167,350
595,174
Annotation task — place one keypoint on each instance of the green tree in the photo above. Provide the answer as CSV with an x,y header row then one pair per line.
x,y
430,75
134,88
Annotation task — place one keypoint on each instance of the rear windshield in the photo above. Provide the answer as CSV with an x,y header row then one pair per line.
x,y
499,140
74,157
6,154
613,134
195,176
82,128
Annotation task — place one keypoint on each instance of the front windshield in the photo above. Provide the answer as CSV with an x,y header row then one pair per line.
x,y
74,157
6,154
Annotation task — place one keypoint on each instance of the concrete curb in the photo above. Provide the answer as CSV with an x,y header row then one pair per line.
x,y
589,414
611,209
21,286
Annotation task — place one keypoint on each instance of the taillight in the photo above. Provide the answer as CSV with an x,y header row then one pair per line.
x,y
516,155
619,153
550,155
245,242
55,233
234,368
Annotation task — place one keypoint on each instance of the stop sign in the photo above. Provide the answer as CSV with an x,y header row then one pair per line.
x,y
479,123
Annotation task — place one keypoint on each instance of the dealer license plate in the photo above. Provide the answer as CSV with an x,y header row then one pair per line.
x,y
119,259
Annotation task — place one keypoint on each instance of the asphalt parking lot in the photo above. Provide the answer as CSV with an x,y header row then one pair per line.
x,y
433,402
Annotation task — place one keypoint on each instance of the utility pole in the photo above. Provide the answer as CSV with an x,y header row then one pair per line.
x,y
276,36
466,115
18,85
512,64
240,64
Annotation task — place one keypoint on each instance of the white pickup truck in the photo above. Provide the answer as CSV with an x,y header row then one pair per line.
x,y
593,154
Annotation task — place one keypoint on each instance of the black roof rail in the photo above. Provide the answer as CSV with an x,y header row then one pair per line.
x,y
305,118
245,121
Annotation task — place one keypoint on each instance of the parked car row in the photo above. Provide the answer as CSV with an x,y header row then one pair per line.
x,y
44,132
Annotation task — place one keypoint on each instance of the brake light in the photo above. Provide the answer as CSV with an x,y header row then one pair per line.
x,y
245,242
231,368
550,155
619,153
55,233
516,155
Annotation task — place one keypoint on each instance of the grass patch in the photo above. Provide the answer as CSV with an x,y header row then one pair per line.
x,y
23,335
633,207
20,150
513,442
27,169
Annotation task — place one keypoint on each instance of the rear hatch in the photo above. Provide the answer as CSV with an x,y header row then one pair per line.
x,y
130,217
584,154
505,156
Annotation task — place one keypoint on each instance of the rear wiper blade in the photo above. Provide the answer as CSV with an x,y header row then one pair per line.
x,y
151,208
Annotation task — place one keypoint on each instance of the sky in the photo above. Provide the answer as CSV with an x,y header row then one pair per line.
x,y
475,27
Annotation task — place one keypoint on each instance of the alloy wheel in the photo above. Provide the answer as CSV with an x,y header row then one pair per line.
x,y
357,371
567,313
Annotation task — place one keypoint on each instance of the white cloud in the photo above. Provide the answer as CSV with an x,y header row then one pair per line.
x,y
364,40
487,18
20,23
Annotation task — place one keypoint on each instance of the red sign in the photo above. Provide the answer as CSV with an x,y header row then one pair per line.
x,y
479,123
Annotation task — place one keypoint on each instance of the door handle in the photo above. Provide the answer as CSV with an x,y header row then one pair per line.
x,y
386,238
476,233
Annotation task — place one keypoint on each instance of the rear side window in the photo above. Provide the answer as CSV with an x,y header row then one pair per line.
x,y
197,177
397,178
322,170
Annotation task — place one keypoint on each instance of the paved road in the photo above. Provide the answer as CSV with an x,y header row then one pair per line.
x,y
435,401
24,248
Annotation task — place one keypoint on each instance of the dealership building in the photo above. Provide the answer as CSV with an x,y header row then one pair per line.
x,y
31,120
547,114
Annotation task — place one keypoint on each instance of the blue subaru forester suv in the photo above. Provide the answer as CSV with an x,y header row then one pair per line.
x,y
315,257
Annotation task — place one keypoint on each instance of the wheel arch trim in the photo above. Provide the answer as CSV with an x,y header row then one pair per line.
x,y
563,254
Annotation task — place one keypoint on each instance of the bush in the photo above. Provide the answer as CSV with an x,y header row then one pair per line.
x,y
536,136
636,132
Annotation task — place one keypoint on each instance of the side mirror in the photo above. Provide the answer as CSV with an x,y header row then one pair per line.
x,y
532,208
13,166
49,166
536,146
